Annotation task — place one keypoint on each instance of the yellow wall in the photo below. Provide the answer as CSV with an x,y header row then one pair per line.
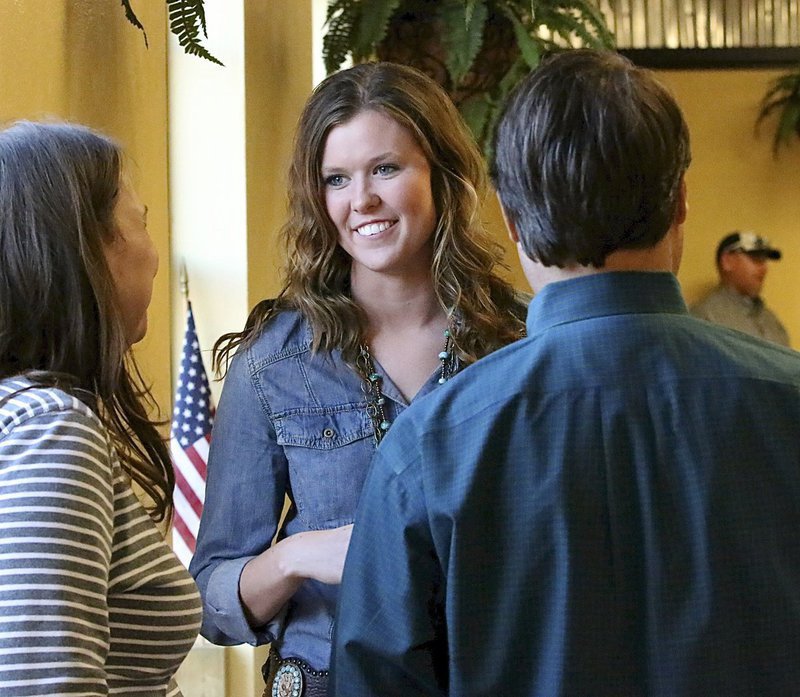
x,y
734,183
231,134
82,61
278,80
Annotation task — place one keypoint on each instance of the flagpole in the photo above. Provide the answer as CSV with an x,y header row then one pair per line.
x,y
184,281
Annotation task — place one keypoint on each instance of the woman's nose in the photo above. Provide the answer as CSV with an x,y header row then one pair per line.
x,y
364,197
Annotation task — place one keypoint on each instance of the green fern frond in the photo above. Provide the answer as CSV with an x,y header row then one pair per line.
x,y
569,27
783,97
475,113
511,79
497,100
470,8
591,17
201,13
788,125
130,15
528,45
789,83
354,28
513,76
463,37
567,21
372,27
342,18
186,20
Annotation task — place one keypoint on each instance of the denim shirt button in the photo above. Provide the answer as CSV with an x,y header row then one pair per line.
x,y
328,433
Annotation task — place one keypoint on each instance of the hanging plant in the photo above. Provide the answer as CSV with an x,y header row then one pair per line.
x,y
783,96
187,18
478,50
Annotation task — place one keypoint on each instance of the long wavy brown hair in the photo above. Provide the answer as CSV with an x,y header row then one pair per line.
x,y
59,321
465,258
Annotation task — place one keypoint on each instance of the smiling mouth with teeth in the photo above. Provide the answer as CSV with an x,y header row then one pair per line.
x,y
371,229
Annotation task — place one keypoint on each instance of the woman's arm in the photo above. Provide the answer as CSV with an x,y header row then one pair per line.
x,y
271,578
246,484
56,516
245,582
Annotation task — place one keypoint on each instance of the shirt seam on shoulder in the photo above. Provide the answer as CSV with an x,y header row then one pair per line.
x,y
19,418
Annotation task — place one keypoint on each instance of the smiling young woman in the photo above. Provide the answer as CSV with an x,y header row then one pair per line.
x,y
378,195
390,290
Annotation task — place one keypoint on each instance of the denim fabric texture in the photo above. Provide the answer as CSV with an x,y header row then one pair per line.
x,y
289,423
606,508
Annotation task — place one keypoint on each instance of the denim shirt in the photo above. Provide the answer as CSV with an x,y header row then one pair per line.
x,y
289,423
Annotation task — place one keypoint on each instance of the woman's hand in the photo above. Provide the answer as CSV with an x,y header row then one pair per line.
x,y
318,554
271,578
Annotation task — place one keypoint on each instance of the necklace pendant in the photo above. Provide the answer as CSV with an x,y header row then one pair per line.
x,y
372,381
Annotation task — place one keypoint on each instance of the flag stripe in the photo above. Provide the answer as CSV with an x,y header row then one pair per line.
x,y
191,498
183,531
185,512
182,462
193,416
181,550
197,461
201,446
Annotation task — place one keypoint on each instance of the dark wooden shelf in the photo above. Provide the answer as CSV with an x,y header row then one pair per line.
x,y
708,58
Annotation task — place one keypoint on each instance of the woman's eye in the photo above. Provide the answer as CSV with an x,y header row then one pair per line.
x,y
334,180
385,169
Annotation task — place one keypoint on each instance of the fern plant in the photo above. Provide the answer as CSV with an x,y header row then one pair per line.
x,y
478,50
187,18
783,97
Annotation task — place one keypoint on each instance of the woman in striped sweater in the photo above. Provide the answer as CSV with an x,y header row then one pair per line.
x,y
92,601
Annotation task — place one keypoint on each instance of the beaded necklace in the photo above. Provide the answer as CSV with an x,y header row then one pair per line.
x,y
373,381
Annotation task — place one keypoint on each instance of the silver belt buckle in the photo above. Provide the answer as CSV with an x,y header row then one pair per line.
x,y
288,681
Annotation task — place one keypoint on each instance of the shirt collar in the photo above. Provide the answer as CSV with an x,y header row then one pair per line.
x,y
604,294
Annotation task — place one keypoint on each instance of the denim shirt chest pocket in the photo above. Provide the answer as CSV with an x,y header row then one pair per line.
x,y
314,402
328,449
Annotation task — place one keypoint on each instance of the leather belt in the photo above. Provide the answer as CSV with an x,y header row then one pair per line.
x,y
292,677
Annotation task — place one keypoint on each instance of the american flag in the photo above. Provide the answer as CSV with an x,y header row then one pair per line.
x,y
192,417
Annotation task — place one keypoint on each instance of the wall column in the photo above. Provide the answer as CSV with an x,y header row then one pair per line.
x,y
230,141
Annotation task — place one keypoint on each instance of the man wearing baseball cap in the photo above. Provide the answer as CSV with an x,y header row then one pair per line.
x,y
736,302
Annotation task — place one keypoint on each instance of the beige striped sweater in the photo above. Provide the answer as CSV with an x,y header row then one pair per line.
x,y
92,600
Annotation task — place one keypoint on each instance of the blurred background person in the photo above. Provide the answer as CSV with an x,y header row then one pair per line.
x,y
736,302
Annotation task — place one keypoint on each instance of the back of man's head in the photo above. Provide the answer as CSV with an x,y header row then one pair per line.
x,y
589,157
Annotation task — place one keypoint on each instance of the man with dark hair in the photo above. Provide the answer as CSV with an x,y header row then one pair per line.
x,y
736,302
608,507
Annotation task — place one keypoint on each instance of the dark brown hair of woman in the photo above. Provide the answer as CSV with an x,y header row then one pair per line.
x,y
59,321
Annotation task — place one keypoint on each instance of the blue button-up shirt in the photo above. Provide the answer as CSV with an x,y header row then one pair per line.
x,y
289,423
609,507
